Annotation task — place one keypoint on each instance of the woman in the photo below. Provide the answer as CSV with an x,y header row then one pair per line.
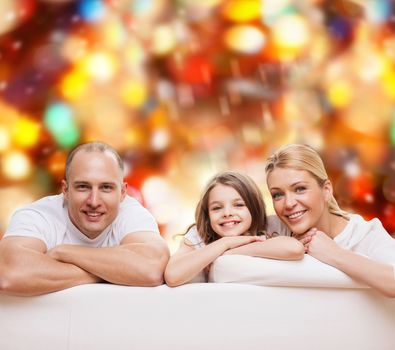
x,y
230,219
303,199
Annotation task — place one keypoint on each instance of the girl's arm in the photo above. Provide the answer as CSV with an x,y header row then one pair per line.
x,y
187,262
282,248
377,275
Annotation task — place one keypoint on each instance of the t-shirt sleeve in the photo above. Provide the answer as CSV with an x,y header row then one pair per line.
x,y
193,237
379,245
275,227
29,223
133,217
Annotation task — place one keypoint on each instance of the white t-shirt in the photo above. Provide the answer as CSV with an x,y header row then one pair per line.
x,y
47,219
368,238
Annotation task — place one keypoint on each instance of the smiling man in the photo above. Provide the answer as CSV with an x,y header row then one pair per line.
x,y
92,232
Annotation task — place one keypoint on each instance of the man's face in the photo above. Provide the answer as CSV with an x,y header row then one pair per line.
x,y
94,191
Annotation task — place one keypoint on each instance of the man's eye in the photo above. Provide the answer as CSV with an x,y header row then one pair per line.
x,y
81,187
107,188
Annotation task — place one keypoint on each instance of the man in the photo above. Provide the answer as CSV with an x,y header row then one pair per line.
x,y
91,232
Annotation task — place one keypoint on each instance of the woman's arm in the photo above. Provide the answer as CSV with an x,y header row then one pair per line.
x,y
377,275
187,262
282,248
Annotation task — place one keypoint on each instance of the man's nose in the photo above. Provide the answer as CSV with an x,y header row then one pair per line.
x,y
94,198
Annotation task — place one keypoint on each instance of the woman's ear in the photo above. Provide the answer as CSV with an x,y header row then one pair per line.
x,y
328,190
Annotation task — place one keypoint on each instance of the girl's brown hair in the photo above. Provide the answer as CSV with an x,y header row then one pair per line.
x,y
249,192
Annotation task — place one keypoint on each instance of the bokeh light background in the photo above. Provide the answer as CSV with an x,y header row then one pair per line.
x,y
186,88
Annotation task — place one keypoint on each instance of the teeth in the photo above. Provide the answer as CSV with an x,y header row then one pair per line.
x,y
296,215
93,214
230,223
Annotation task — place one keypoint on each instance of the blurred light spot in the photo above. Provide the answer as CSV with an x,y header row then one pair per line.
x,y
134,93
242,10
26,132
74,85
101,66
16,165
163,40
274,9
352,169
74,48
60,122
339,93
91,10
290,35
56,164
245,38
4,139
378,11
160,139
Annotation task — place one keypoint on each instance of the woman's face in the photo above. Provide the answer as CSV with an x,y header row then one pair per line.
x,y
298,200
229,215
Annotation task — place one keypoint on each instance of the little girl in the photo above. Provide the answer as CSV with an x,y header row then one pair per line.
x,y
230,219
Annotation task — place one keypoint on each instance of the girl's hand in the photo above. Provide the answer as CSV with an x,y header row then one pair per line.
x,y
237,241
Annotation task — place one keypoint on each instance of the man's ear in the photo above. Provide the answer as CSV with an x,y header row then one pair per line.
x,y
65,188
124,190
328,190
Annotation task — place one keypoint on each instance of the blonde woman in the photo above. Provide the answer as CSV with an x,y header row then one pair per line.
x,y
303,199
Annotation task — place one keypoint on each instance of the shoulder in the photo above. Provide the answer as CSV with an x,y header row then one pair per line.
x,y
134,217
275,227
49,207
193,237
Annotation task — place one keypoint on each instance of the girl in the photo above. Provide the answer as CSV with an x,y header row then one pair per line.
x,y
230,219
303,199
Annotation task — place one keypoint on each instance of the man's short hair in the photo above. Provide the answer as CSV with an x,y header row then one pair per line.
x,y
94,146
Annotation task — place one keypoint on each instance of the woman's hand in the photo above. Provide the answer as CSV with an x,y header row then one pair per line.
x,y
320,246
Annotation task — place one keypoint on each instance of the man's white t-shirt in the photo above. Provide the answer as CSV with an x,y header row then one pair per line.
x,y
48,220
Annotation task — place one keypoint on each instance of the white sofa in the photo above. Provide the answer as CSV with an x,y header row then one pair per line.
x,y
206,315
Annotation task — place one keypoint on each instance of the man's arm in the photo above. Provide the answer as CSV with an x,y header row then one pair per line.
x,y
26,270
140,259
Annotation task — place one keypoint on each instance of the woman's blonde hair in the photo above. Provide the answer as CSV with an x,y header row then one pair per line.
x,y
303,157
249,192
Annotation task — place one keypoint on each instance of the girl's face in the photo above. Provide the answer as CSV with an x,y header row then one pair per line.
x,y
298,200
229,215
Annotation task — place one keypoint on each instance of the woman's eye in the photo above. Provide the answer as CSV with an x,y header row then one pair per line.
x,y
300,189
276,195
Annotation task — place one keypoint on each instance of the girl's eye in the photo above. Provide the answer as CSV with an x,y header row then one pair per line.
x,y
215,208
239,205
